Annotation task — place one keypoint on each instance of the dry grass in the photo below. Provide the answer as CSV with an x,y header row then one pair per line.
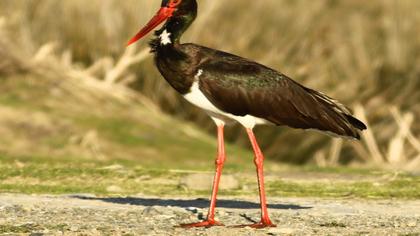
x,y
365,53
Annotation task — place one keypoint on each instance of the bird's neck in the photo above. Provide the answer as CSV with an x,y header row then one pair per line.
x,y
171,60
166,44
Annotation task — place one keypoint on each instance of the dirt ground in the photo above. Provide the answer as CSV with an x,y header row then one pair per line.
x,y
139,215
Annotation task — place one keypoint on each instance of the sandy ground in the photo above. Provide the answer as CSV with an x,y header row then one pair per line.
x,y
90,215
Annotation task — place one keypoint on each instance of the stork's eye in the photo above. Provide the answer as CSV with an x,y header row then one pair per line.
x,y
174,3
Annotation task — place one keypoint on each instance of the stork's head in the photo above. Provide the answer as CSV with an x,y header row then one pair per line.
x,y
180,12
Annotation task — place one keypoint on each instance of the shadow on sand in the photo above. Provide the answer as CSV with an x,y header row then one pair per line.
x,y
185,203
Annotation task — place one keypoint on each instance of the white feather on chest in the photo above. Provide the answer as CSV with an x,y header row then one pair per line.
x,y
197,98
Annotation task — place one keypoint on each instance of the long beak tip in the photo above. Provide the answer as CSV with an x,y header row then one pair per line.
x,y
131,41
163,14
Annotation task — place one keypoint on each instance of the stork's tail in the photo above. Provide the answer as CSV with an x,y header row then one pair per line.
x,y
344,123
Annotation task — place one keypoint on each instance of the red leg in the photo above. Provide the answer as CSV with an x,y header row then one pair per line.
x,y
221,157
259,163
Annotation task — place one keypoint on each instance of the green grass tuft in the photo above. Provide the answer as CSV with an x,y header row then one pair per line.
x,y
72,175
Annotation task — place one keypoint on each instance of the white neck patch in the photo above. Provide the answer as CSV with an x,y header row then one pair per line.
x,y
165,38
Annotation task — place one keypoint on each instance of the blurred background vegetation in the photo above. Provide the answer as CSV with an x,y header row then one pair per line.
x,y
69,87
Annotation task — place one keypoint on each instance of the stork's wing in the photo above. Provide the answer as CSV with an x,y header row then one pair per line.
x,y
241,87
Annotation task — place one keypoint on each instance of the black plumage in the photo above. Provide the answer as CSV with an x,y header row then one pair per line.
x,y
242,87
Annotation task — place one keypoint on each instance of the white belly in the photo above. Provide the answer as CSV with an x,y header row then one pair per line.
x,y
197,98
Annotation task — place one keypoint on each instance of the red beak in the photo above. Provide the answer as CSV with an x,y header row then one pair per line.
x,y
163,14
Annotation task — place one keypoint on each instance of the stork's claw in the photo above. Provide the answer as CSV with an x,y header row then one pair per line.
x,y
204,224
260,225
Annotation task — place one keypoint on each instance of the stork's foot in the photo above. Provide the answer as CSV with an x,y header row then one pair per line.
x,y
204,224
260,225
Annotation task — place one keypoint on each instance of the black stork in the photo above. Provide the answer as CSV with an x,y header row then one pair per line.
x,y
230,88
